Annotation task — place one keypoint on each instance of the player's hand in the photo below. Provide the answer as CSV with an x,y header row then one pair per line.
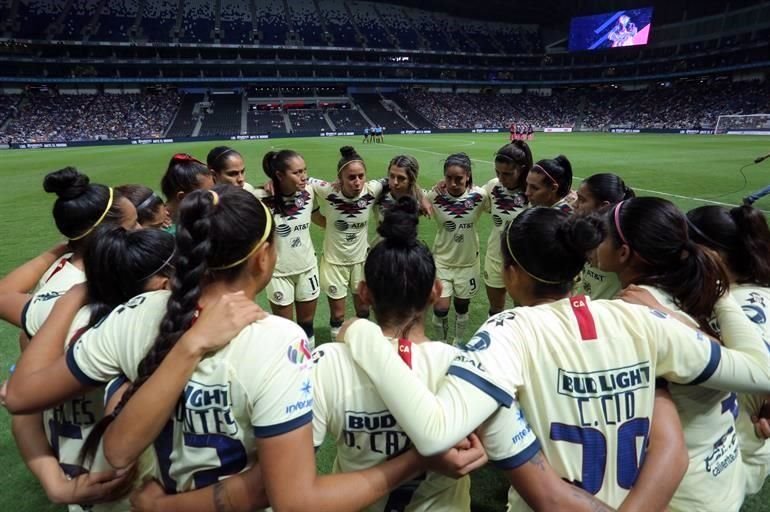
x,y
268,188
77,295
147,497
221,321
637,295
762,422
467,456
90,488
426,208
440,187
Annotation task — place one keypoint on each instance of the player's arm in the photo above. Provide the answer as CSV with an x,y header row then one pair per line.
x,y
148,410
243,492
42,377
318,219
15,287
686,356
36,453
665,462
434,422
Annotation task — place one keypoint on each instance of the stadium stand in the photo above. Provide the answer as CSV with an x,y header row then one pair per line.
x,y
338,21
307,23
400,26
157,21
197,22
223,117
346,119
372,106
271,22
367,20
266,121
184,123
308,121
411,114
237,27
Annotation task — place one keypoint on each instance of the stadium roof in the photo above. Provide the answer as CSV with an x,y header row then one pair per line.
x,y
559,12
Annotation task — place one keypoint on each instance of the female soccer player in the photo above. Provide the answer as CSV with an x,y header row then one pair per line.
x,y
347,214
505,200
183,175
250,395
648,244
549,182
403,171
583,371
295,279
119,264
741,238
228,167
151,212
456,246
596,194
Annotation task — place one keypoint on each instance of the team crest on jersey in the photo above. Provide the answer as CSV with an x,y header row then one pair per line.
x,y
505,202
480,341
455,208
350,208
297,206
278,296
299,353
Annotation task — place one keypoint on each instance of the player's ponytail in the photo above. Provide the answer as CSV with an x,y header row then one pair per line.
x,y
551,247
740,234
668,259
218,231
400,271
272,163
609,188
462,161
516,154
81,206
557,171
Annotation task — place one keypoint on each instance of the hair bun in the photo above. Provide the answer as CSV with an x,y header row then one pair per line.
x,y
348,152
67,183
399,227
581,234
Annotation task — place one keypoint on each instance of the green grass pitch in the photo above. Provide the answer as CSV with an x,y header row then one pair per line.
x,y
689,170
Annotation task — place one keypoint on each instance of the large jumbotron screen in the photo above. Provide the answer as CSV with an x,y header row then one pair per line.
x,y
610,30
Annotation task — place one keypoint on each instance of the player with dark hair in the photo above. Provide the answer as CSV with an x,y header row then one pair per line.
x,y
549,183
151,211
228,167
184,174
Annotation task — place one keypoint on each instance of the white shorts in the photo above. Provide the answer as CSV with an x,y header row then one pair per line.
x,y
493,273
459,282
286,290
336,280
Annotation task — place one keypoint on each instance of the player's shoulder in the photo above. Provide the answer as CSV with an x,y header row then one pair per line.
x,y
491,184
331,356
260,193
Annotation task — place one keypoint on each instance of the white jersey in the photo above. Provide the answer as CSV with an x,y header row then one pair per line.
x,y
583,372
755,302
597,283
457,234
296,253
259,385
504,205
715,479
56,281
347,221
347,406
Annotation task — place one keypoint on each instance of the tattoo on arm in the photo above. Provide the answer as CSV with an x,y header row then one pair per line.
x,y
539,461
595,504
221,499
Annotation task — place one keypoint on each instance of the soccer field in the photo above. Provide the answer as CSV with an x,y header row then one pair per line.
x,y
688,170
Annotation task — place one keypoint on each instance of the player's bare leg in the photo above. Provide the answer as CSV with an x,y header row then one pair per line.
x,y
461,319
336,316
441,317
496,298
305,316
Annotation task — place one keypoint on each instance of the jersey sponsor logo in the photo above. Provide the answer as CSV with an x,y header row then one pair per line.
x,y
305,402
302,227
480,341
450,226
350,209
342,225
497,220
500,318
605,397
724,453
46,296
658,313
207,409
283,230
458,208
299,353
376,432
459,238
524,432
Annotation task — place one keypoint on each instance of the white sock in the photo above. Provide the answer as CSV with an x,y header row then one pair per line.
x,y
334,332
461,322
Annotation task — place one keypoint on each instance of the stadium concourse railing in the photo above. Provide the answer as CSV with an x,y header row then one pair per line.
x,y
171,140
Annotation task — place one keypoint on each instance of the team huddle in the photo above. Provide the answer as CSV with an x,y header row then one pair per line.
x,y
632,372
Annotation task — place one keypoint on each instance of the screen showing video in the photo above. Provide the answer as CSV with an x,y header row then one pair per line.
x,y
610,30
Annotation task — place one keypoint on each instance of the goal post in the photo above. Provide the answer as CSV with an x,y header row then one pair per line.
x,y
743,124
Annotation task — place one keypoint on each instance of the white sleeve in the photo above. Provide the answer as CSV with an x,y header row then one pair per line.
x,y
686,356
508,438
321,368
434,423
281,392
